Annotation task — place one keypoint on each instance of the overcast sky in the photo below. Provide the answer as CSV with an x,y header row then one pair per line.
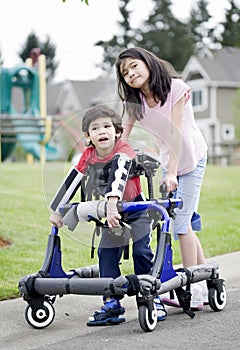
x,y
74,27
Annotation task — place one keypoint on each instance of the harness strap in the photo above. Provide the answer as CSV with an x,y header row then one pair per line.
x,y
184,296
133,285
95,232
29,285
126,252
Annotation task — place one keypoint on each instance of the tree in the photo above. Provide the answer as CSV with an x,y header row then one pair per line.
x,y
231,32
161,33
47,48
200,29
118,41
166,36
86,1
32,42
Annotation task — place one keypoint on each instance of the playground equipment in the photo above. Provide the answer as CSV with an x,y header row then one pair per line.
x,y
31,126
40,290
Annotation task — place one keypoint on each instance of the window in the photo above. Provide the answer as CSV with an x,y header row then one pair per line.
x,y
197,98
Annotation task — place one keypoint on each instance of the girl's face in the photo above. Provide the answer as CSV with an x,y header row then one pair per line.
x,y
135,73
102,134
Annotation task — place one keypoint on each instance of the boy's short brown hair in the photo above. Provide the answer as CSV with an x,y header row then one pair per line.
x,y
101,111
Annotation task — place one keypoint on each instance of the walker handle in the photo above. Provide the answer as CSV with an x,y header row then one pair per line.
x,y
163,190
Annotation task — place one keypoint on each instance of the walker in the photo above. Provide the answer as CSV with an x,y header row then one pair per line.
x,y
40,289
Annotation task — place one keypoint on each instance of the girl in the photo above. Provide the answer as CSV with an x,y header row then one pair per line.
x,y
154,94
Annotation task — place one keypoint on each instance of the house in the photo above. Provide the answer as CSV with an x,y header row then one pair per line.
x,y
68,100
214,79
76,96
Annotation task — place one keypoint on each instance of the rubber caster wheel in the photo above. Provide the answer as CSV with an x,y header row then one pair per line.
x,y
40,317
147,318
217,301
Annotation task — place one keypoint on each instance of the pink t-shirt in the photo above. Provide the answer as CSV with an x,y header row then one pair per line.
x,y
157,121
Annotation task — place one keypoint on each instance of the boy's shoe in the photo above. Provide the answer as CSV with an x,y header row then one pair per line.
x,y
110,314
161,311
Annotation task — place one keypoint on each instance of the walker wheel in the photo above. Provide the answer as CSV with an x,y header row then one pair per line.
x,y
147,317
40,317
217,300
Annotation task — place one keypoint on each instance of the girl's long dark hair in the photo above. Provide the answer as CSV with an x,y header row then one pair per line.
x,y
161,73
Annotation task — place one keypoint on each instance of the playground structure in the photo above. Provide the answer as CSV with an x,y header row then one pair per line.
x,y
31,127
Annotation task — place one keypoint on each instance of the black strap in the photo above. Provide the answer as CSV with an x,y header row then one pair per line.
x,y
184,296
95,232
126,252
29,285
133,285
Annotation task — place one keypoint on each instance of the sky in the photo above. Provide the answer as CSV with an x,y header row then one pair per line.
x,y
75,27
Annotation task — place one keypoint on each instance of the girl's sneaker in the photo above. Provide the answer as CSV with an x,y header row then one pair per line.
x,y
197,297
171,299
203,285
110,314
161,311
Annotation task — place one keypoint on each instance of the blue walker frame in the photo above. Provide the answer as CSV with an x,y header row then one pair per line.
x,y
39,290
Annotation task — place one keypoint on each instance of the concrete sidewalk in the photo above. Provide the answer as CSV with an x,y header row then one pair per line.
x,y
72,312
229,269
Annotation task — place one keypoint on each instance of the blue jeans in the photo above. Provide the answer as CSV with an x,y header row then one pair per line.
x,y
111,248
189,189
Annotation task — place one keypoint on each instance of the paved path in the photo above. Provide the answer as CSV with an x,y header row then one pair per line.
x,y
208,330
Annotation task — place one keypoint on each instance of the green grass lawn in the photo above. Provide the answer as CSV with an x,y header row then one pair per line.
x,y
26,190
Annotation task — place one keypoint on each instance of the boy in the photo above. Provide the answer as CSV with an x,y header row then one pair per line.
x,y
108,160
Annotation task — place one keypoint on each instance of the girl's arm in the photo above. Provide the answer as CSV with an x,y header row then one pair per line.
x,y
175,144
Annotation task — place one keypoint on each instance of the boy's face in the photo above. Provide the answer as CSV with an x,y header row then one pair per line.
x,y
102,134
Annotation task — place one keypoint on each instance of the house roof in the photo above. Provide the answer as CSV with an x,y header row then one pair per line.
x,y
222,64
53,91
102,90
216,65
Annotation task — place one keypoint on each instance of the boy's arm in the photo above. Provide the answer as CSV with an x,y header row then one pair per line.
x,y
64,194
121,164
113,215
118,177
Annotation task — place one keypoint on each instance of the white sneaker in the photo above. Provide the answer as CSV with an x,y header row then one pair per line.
x,y
204,287
167,300
197,297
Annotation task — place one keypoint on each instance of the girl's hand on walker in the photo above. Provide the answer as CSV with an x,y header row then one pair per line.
x,y
56,220
171,182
